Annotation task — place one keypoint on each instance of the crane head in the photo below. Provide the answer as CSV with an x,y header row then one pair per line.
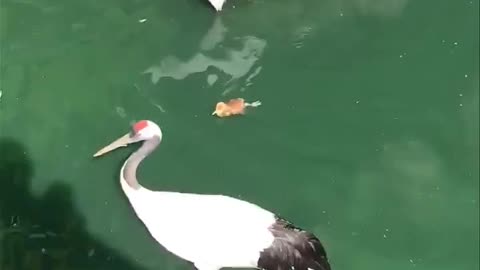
x,y
141,131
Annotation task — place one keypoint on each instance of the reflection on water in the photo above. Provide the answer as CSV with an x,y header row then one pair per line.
x,y
300,34
214,36
410,179
237,63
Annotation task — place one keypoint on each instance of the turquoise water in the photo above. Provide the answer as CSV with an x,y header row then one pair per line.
x,y
367,134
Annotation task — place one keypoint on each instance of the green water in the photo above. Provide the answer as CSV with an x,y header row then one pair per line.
x,y
367,135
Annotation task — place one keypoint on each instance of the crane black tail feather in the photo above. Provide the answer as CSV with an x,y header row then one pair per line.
x,y
293,249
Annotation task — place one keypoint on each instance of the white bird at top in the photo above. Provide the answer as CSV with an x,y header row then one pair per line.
x,y
217,4
213,231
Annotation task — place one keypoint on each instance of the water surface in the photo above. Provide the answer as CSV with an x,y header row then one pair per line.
x,y
367,136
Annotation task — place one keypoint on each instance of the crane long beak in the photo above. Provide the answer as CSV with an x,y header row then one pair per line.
x,y
120,142
215,112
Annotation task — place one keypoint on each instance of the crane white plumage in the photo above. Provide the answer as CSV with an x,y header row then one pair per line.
x,y
213,231
217,4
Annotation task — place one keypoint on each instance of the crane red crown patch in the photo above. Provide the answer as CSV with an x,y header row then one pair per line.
x,y
140,125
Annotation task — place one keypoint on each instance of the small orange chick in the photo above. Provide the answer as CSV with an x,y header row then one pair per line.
x,y
233,107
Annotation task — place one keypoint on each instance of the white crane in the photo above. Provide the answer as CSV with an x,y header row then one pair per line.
x,y
213,231
217,4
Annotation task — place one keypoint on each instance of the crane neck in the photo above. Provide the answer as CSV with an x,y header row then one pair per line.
x,y
130,167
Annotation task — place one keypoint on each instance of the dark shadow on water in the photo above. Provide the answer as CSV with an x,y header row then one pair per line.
x,y
44,233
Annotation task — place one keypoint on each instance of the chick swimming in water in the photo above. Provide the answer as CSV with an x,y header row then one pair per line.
x,y
233,107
